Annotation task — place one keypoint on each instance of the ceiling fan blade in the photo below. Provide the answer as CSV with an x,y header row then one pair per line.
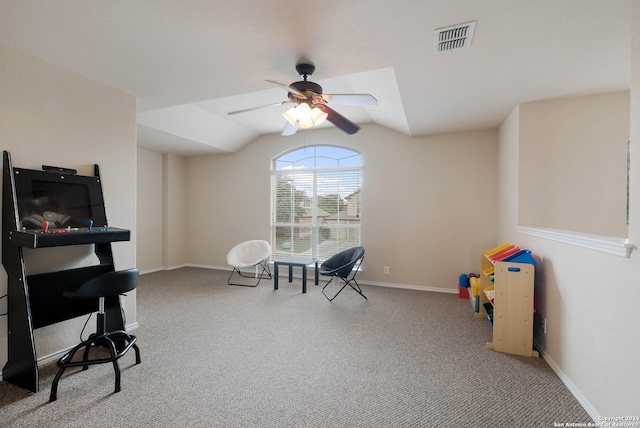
x,y
289,129
350,99
339,120
259,107
289,88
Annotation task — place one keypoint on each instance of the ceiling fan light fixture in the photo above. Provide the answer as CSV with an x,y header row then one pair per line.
x,y
291,115
304,116
318,116
305,119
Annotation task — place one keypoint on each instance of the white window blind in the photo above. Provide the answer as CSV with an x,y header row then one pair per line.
x,y
316,199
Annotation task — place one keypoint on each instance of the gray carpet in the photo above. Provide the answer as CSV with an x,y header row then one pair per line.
x,y
215,355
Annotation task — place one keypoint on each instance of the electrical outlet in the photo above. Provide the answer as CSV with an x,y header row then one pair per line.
x,y
544,325
386,270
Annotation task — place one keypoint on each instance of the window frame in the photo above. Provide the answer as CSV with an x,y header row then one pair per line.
x,y
339,229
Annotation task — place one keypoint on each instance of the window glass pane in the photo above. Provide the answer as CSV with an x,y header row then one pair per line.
x,y
324,162
291,200
335,239
295,155
351,161
282,164
333,152
316,194
339,194
305,162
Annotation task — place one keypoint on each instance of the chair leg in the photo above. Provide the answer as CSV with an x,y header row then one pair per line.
x,y
114,361
265,268
85,356
335,295
357,288
54,386
266,273
137,351
63,363
346,282
239,273
130,340
106,340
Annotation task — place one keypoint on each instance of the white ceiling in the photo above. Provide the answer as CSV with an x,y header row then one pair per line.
x,y
190,62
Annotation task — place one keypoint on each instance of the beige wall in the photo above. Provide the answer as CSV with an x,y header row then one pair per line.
x,y
428,204
149,218
440,221
162,211
508,166
573,162
175,211
589,299
50,116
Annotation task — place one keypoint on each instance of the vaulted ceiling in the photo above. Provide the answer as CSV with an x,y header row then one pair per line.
x,y
190,62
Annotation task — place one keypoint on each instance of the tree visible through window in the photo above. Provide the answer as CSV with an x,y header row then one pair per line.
x,y
316,196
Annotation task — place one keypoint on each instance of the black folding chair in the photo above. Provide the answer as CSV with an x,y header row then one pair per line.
x,y
343,265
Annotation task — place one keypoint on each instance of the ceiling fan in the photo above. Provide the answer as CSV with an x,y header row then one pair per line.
x,y
311,106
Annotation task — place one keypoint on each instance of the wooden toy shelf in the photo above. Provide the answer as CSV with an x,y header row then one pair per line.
x,y
511,283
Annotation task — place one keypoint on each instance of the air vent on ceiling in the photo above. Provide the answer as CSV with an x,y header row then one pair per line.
x,y
454,37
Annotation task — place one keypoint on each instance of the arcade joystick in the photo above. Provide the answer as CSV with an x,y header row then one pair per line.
x,y
89,224
45,226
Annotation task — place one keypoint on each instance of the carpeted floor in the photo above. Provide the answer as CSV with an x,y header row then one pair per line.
x,y
215,355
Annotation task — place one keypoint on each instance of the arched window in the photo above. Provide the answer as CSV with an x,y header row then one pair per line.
x,y
315,201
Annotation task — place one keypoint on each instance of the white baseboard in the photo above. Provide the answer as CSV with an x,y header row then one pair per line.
x,y
227,268
567,382
299,275
142,272
177,266
411,287
162,269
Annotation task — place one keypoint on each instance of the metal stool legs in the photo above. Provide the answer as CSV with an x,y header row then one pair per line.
x,y
102,339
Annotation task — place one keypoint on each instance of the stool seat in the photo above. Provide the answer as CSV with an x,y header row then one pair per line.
x,y
104,285
118,342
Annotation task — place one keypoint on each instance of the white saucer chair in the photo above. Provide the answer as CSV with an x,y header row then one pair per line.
x,y
249,254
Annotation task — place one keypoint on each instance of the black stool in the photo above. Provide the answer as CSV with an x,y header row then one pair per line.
x,y
118,342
